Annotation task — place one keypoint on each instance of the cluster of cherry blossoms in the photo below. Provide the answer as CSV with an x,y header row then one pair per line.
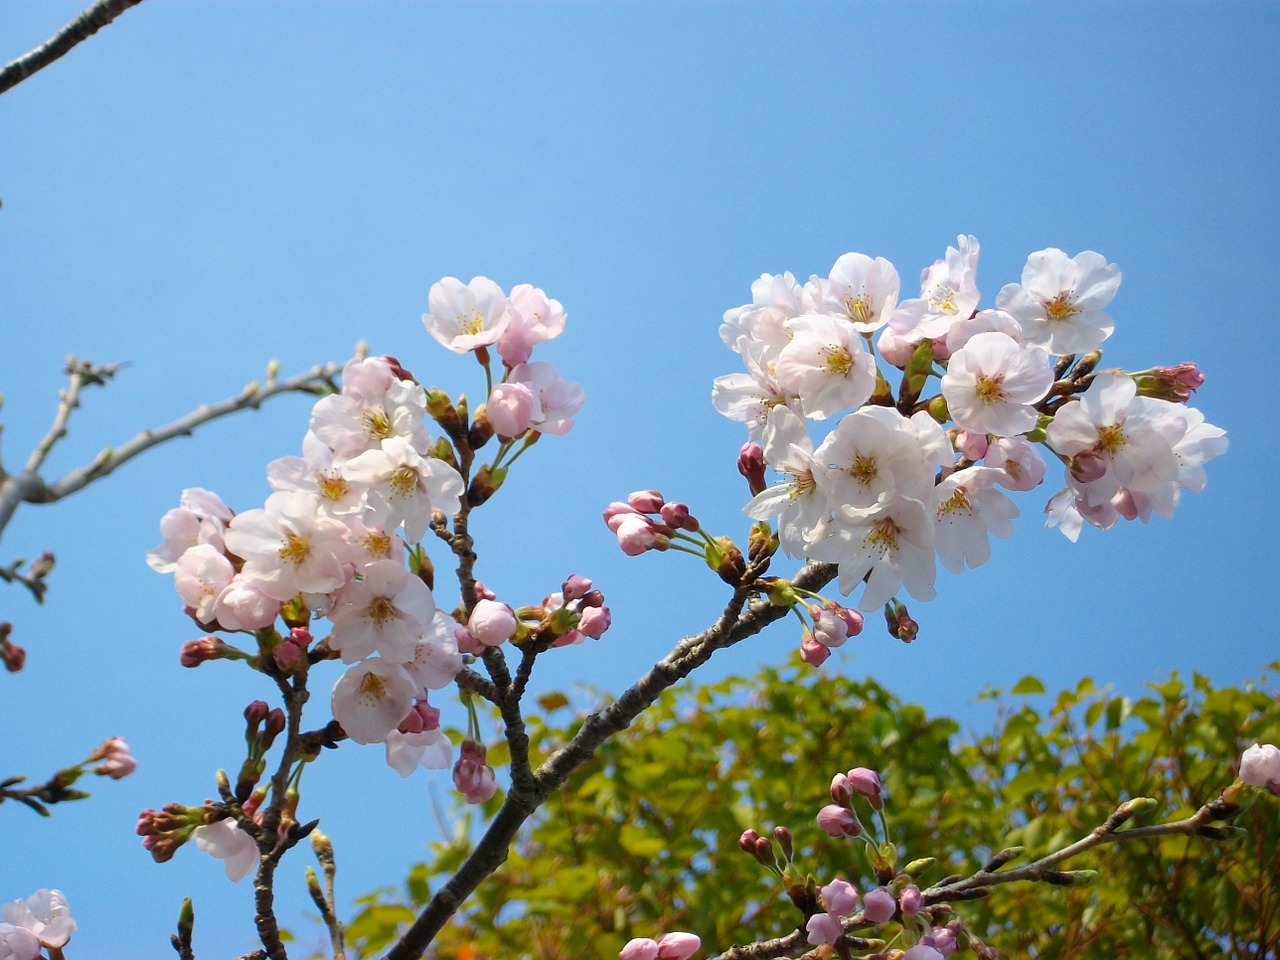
x,y
910,478
338,541
42,921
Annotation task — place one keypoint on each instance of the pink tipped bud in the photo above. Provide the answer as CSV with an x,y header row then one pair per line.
x,y
972,445
636,535
595,621
840,896
839,821
400,372
678,946
748,841
615,512
841,790
1170,383
646,501
677,516
912,900
255,713
117,763
472,776
273,727
751,466
14,656
196,652
866,782
812,651
575,587
878,905
641,948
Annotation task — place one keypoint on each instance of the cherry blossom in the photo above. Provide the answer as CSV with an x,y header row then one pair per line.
x,y
798,504
371,699
228,843
890,544
386,611
1260,767
825,365
1061,299
948,293
18,943
200,517
462,316
558,400
532,319
991,383
967,508
45,914
858,289
289,546
406,487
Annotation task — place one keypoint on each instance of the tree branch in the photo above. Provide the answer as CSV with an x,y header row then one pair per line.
x,y
81,28
738,621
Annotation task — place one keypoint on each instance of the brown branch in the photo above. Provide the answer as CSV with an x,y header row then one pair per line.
x,y
59,45
738,621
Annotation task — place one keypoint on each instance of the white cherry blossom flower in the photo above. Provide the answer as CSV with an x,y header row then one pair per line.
x,y
859,289
967,508
45,914
375,406
877,454
533,318
1061,299
462,316
948,294
825,365
436,660
889,545
558,400
200,517
429,749
228,843
290,547
202,573
797,503
405,487
385,611
371,699
991,383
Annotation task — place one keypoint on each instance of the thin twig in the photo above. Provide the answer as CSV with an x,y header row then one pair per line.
x,y
81,28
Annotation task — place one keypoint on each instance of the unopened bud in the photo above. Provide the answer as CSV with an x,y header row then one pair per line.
x,y
481,431
724,557
678,517
485,484
762,542
783,836
646,501
917,867
1001,858
1070,878
196,652
751,466
400,372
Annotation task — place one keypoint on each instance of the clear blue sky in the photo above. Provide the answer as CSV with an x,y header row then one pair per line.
x,y
205,186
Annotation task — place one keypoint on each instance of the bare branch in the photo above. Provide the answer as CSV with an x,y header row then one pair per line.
x,y
81,28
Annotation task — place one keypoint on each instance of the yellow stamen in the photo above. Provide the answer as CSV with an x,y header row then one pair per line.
x,y
296,549
1061,306
1111,438
381,610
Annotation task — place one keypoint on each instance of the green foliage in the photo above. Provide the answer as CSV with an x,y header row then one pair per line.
x,y
643,839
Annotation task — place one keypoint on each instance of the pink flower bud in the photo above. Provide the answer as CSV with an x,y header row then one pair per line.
x,y
878,905
1260,767
678,946
751,466
866,782
575,587
677,516
911,900
117,763
511,409
615,512
1087,466
492,623
196,652
840,896
635,534
646,501
472,776
841,791
922,951
972,445
595,621
839,821
812,651
823,928
641,948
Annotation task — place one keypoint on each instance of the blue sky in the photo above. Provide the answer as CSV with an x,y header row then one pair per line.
x,y
206,186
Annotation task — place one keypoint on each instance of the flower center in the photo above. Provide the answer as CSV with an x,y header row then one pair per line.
x,y
372,690
864,470
404,481
378,545
859,308
331,486
375,423
1061,306
883,536
296,549
942,299
958,502
1111,438
471,322
380,610
837,360
988,388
